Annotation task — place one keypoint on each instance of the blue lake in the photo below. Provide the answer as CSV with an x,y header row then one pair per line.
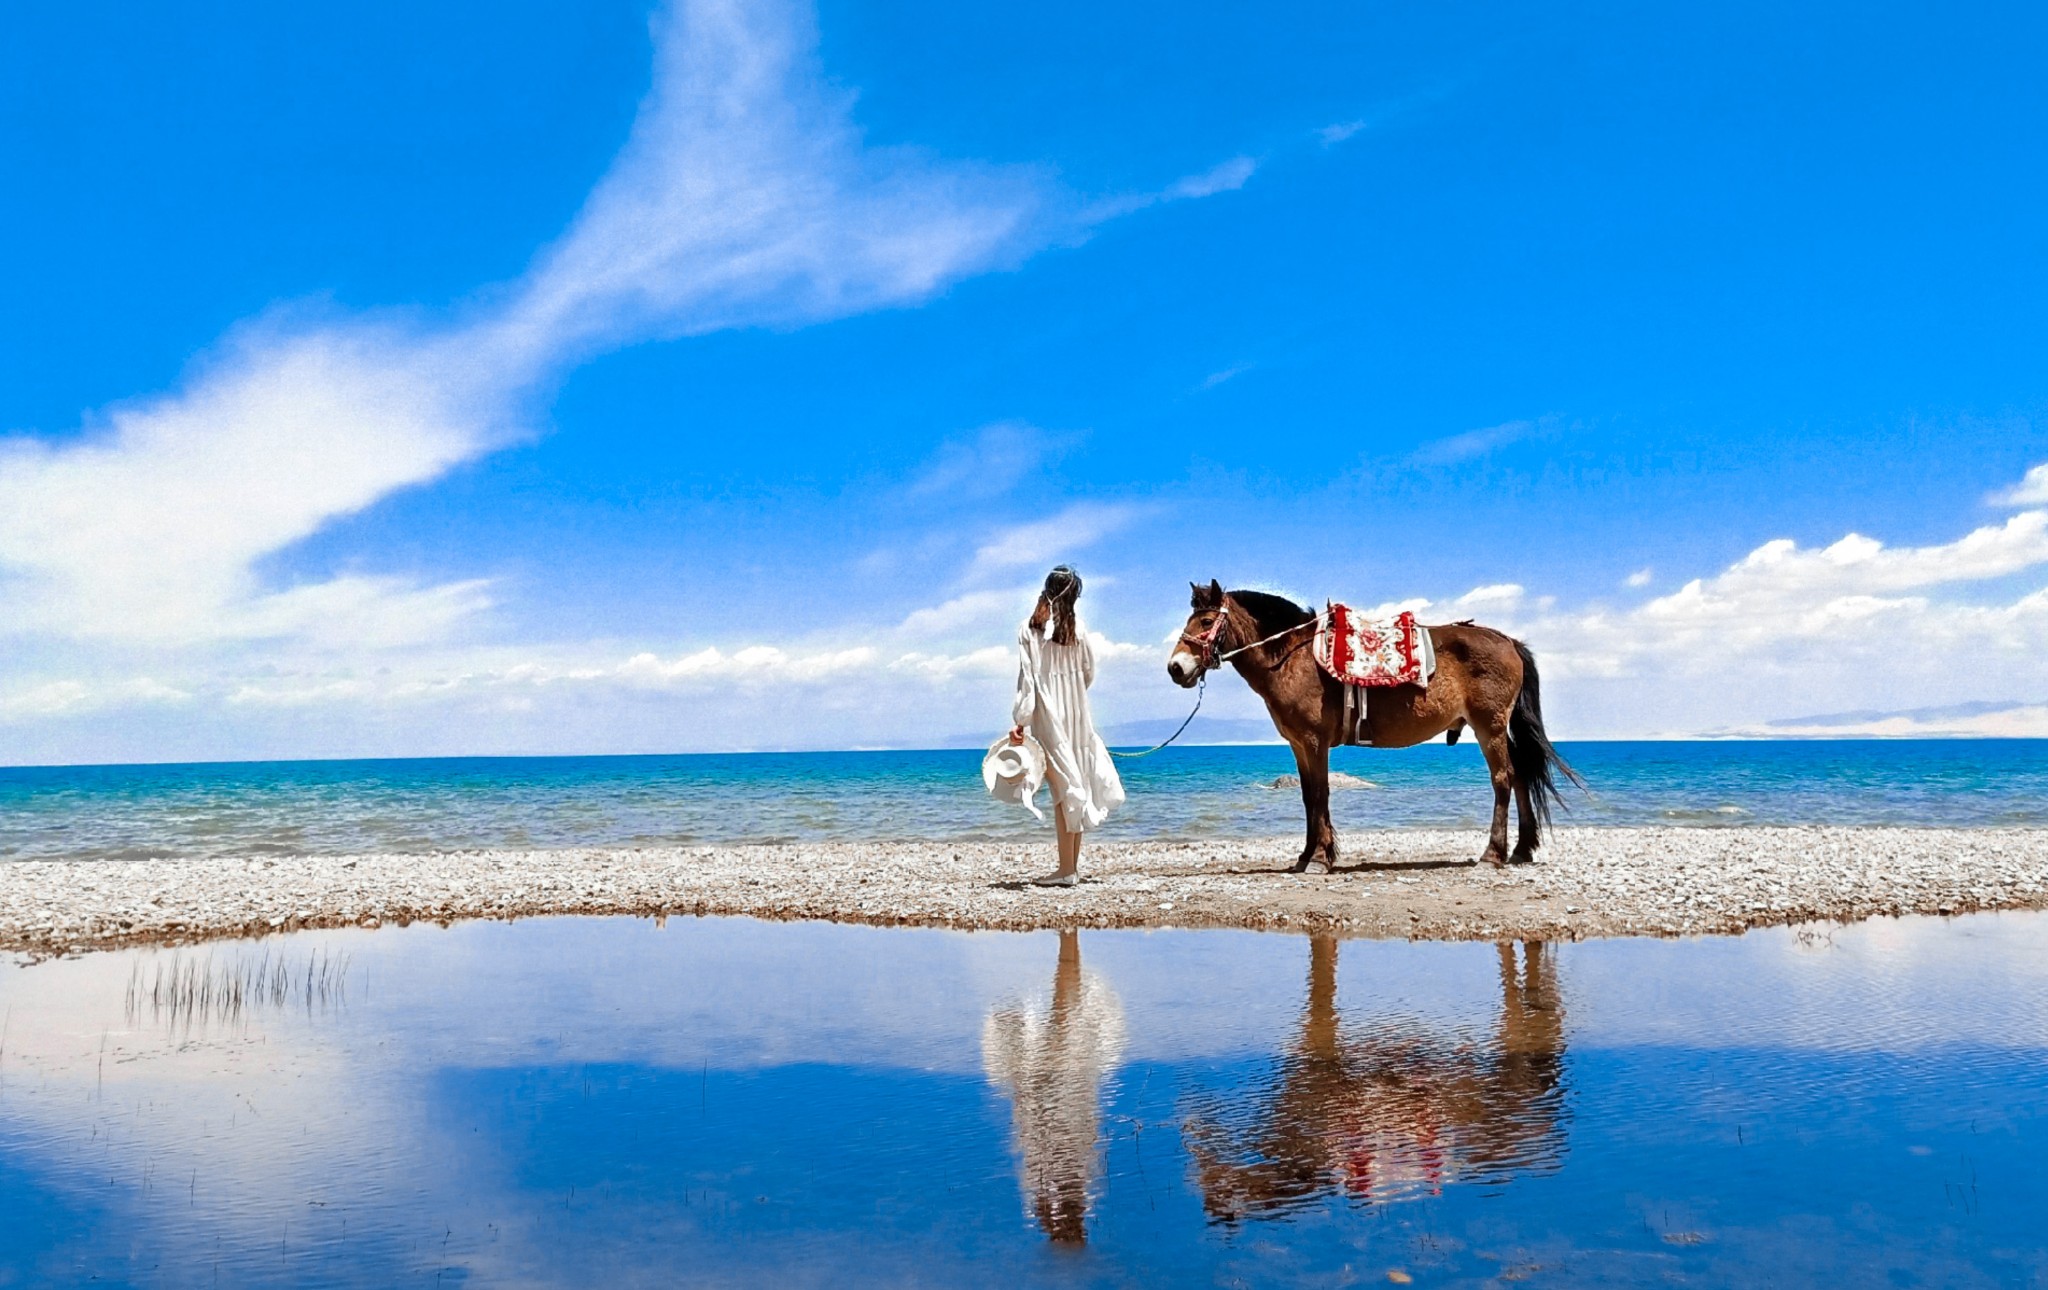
x,y
612,1101
272,808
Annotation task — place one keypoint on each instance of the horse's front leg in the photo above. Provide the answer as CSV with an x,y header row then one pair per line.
x,y
1319,853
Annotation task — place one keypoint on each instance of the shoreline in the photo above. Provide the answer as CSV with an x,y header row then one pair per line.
x,y
1419,884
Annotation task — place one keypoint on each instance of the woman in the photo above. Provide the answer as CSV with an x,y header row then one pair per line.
x,y
1053,677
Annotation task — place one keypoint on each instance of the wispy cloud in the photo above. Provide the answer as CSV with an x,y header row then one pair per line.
x,y
2032,490
990,462
745,195
1331,135
1473,444
1214,379
1048,541
1226,177
1887,633
149,526
1640,578
71,697
1789,626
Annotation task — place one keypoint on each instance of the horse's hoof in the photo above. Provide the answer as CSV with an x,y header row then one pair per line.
x,y
1310,864
1494,859
1525,855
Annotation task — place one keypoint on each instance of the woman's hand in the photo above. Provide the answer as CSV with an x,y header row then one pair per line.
x,y
1016,734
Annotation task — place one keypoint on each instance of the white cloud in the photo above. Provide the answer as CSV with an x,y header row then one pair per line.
x,y
976,611
1214,379
1225,178
1049,541
1640,578
989,463
1339,132
1473,443
2032,490
1851,578
1883,634
149,527
1498,594
73,697
1788,627
752,664
986,662
744,196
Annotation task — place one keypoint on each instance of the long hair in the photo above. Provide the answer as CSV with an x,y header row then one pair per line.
x,y
1056,604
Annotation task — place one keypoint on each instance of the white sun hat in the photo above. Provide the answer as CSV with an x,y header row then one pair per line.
x,y
1013,772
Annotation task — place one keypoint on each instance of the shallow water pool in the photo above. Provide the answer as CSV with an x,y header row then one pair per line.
x,y
612,1101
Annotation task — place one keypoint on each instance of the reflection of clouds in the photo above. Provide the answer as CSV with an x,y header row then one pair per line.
x,y
1051,1062
1895,984
285,1124
219,1135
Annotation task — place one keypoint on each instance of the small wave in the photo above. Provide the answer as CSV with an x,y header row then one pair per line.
x,y
1722,812
1338,779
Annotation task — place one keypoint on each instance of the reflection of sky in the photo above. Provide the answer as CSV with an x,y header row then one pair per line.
x,y
512,1099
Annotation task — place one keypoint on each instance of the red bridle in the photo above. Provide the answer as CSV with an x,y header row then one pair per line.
x,y
1210,658
1205,644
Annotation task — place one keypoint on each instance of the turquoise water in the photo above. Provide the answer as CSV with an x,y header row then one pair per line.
x,y
725,1102
282,808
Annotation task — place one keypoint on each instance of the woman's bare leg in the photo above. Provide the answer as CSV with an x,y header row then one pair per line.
x,y
1069,845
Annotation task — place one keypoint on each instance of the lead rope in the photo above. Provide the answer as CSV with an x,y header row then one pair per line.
x,y
1200,686
1267,640
1203,684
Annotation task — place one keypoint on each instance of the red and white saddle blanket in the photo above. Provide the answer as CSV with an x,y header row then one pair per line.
x,y
1373,651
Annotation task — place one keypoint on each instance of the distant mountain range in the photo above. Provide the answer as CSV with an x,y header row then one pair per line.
x,y
1202,730
1143,734
2006,718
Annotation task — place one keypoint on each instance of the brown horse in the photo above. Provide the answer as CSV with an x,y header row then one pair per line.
x,y
1484,679
1392,1110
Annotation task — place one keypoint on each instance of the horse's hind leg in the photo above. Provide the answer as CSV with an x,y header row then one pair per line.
x,y
1527,835
1493,742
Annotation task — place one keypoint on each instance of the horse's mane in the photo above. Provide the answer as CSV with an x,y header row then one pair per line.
x,y
1272,613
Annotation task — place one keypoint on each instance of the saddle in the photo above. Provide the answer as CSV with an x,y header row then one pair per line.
x,y
1370,653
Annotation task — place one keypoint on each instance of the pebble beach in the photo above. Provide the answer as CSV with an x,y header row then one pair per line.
x,y
1397,883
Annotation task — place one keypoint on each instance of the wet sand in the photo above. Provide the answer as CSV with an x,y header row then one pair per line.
x,y
1396,883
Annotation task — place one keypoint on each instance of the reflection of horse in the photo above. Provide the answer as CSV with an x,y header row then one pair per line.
x,y
1484,679
1392,1112
1052,1063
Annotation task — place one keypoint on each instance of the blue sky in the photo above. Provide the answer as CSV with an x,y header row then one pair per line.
x,y
387,379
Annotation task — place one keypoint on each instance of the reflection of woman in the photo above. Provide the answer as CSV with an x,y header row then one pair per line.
x,y
1051,1063
1053,676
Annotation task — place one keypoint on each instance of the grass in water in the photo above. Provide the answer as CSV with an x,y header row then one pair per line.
x,y
185,991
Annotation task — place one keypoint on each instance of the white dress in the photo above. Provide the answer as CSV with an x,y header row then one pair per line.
x,y
1052,705
1052,1063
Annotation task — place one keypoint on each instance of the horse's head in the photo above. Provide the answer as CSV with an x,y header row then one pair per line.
x,y
1206,634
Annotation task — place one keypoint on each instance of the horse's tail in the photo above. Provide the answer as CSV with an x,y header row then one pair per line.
x,y
1530,754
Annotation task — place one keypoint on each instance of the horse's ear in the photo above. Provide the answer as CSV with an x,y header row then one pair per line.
x,y
1202,597
1215,593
